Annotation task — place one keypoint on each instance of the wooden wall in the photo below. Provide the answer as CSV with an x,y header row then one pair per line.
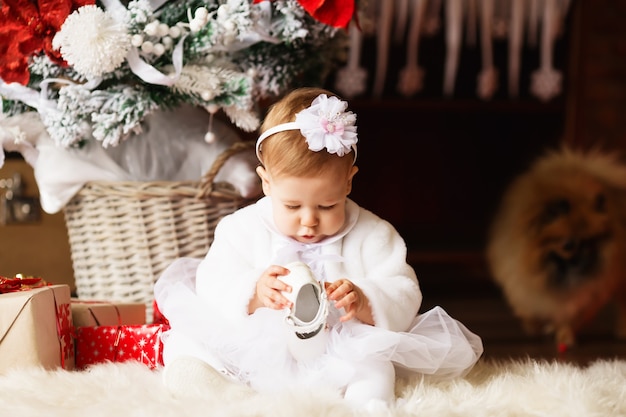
x,y
40,248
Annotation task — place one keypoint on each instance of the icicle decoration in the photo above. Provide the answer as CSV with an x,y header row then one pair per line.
x,y
412,75
383,36
516,37
546,81
483,23
487,82
454,23
351,80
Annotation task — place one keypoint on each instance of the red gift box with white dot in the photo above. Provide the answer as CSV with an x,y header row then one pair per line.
x,y
100,344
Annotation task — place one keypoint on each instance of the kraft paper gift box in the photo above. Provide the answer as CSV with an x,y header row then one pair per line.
x,y
98,344
103,313
36,328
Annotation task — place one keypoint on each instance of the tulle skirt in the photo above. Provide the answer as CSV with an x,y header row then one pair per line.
x,y
255,350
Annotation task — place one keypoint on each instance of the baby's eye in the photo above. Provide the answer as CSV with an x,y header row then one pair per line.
x,y
328,207
290,207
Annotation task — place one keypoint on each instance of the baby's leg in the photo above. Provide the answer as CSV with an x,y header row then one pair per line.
x,y
176,344
372,385
191,370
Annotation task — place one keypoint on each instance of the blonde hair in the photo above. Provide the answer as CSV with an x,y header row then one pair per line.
x,y
287,152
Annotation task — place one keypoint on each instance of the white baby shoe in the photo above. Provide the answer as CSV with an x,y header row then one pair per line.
x,y
307,316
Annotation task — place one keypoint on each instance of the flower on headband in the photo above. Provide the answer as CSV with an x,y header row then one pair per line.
x,y
327,124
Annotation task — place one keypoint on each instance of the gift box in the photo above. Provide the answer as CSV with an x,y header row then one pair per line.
x,y
158,317
98,344
36,328
102,313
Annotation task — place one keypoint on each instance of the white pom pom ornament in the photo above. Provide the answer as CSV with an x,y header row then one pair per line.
x,y
92,41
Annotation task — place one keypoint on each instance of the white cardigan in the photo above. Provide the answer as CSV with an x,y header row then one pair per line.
x,y
372,251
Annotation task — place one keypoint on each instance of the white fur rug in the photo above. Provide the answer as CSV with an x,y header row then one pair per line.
x,y
513,388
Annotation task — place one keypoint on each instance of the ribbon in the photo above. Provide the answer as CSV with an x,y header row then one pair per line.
x,y
29,96
65,330
44,85
19,283
152,75
310,254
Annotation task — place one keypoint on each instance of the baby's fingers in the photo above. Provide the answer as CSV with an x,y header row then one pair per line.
x,y
348,300
338,289
270,288
350,313
274,272
276,301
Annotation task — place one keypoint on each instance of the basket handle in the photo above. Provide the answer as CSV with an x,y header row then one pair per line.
x,y
207,181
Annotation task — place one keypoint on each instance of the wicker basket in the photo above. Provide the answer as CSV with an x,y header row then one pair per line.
x,y
124,234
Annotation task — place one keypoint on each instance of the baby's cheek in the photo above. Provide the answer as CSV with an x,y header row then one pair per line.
x,y
336,223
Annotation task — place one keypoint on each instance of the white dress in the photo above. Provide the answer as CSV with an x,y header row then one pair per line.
x,y
206,303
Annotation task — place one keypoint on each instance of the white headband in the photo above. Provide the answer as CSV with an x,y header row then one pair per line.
x,y
325,125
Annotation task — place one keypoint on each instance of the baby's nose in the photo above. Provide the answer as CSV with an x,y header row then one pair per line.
x,y
308,219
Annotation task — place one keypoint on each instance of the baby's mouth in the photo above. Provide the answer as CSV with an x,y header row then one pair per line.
x,y
308,238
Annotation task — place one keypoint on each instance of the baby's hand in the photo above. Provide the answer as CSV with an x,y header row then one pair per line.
x,y
347,296
269,290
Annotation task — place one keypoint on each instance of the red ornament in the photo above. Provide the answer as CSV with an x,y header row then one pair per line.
x,y
336,13
26,29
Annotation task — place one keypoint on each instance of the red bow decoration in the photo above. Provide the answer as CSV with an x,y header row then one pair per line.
x,y
336,13
27,27
20,284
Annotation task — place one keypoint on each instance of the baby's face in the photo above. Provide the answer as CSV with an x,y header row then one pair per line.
x,y
309,209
